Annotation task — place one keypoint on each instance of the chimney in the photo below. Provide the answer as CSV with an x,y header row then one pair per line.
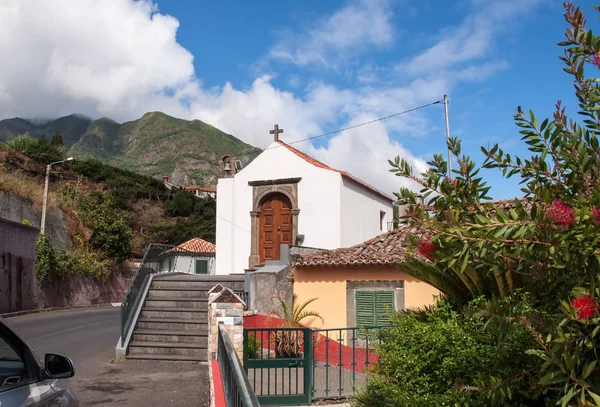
x,y
165,178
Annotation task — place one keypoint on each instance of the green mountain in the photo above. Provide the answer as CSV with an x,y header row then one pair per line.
x,y
154,145
70,127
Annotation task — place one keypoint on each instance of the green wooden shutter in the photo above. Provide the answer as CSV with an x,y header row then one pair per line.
x,y
365,311
384,306
201,267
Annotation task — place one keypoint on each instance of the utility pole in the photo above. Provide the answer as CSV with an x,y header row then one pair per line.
x,y
45,203
448,136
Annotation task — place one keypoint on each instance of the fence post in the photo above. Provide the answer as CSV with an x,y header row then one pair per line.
x,y
308,363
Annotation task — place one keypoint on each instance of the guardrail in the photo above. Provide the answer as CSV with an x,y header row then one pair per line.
x,y
150,265
237,388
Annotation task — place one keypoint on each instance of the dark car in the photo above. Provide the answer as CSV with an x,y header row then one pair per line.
x,y
26,380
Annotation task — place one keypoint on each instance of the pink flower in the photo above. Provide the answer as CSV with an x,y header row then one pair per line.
x,y
596,215
426,249
561,213
596,60
586,306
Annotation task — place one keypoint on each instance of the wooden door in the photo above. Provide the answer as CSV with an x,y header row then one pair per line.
x,y
275,226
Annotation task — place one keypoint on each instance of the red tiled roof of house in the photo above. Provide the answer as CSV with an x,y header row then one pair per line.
x,y
386,249
345,174
195,188
195,245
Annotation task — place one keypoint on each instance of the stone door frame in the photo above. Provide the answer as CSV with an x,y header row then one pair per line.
x,y
260,190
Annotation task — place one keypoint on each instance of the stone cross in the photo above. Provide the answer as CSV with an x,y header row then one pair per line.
x,y
276,132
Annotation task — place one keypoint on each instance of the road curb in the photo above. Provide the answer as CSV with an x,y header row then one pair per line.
x,y
42,310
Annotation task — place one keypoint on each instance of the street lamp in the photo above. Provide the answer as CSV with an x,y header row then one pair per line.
x,y
45,204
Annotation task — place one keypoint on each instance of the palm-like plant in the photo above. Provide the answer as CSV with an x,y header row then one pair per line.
x,y
294,313
289,344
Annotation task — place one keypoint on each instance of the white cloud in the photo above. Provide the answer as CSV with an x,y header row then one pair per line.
x,y
473,40
120,59
65,56
358,26
365,151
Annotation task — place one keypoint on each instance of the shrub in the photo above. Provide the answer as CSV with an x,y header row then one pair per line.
x,y
254,346
45,261
439,356
110,226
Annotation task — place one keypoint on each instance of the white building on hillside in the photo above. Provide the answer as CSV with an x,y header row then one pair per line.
x,y
196,256
286,197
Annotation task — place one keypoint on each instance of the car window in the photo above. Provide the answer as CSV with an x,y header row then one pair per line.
x,y
12,368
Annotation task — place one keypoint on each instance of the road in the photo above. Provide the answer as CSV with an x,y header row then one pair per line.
x,y
87,336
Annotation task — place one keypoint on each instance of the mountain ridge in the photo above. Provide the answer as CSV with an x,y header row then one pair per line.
x,y
155,144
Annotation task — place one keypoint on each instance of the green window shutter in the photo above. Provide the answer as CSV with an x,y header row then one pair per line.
x,y
201,267
365,311
384,306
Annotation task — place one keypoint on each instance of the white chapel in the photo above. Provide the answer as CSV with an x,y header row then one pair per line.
x,y
285,197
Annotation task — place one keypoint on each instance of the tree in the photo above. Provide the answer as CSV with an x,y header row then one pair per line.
x,y
57,140
545,244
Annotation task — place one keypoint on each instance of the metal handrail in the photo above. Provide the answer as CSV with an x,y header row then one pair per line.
x,y
131,298
238,391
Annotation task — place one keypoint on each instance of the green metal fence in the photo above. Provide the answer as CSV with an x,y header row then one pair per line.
x,y
278,364
342,359
237,388
288,366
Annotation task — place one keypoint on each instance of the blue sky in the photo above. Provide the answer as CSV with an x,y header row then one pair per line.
x,y
310,66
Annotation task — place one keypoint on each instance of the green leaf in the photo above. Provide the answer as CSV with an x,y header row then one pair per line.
x,y
595,397
589,368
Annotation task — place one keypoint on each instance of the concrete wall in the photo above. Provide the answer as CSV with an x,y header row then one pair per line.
x,y
328,284
17,209
318,201
360,213
18,286
264,287
186,264
19,289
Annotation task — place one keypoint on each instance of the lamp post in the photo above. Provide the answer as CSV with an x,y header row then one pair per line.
x,y
45,204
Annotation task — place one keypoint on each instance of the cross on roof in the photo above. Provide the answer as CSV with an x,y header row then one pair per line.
x,y
276,132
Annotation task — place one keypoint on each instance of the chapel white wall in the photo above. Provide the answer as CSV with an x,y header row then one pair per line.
x,y
318,201
360,213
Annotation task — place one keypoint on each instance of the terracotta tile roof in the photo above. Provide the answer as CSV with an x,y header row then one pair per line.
x,y
345,174
195,188
196,245
386,249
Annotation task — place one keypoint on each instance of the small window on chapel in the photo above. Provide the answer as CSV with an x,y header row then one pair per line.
x,y
381,220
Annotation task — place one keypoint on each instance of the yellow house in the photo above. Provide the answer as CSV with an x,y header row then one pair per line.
x,y
359,285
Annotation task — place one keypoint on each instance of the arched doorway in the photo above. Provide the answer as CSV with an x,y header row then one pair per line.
x,y
275,226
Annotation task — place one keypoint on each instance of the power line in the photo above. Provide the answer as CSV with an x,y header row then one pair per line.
x,y
363,124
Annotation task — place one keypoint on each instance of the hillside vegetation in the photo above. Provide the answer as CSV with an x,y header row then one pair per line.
x,y
112,213
154,145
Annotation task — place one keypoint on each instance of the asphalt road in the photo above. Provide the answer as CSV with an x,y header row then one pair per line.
x,y
87,336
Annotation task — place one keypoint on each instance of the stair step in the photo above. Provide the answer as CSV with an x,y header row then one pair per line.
x,y
178,313
194,321
170,324
176,358
200,338
195,351
170,294
176,309
176,303
186,288
169,332
187,345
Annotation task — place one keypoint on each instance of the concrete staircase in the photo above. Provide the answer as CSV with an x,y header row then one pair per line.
x,y
173,324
